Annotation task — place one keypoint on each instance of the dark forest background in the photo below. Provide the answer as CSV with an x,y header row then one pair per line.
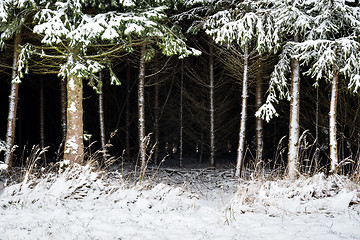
x,y
194,71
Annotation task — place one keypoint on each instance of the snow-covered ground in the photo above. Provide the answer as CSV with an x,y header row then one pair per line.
x,y
178,204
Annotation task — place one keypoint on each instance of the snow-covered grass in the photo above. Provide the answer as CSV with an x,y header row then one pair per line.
x,y
3,166
83,203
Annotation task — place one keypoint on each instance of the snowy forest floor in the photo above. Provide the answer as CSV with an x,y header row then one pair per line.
x,y
174,203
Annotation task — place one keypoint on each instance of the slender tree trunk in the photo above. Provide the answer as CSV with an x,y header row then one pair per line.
x,y
211,96
240,150
63,108
259,122
317,125
127,124
293,146
13,101
74,144
156,116
42,121
201,157
181,115
101,116
141,108
332,123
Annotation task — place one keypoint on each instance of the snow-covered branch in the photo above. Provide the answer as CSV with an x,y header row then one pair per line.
x,y
323,55
278,85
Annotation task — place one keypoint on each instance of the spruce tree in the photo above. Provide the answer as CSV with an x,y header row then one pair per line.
x,y
13,16
246,27
82,36
332,54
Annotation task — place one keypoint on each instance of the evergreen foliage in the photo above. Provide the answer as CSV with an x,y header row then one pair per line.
x,y
77,38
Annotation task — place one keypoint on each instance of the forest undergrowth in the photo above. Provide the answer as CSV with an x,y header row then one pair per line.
x,y
267,191
117,202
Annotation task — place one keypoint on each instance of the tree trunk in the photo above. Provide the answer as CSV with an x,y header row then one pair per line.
x,y
127,124
141,108
156,116
181,115
211,98
317,125
293,146
42,122
259,121
201,147
101,117
74,144
63,108
332,124
240,150
13,101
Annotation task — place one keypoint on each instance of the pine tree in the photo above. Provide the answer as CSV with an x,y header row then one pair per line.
x,y
170,41
102,117
259,122
63,109
13,15
13,100
81,36
141,109
329,34
211,98
332,53
292,26
240,24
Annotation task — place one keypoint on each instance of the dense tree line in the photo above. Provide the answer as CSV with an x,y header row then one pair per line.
x,y
210,79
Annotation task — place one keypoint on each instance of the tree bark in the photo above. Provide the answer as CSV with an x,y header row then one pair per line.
x,y
317,116
141,108
101,116
42,121
293,146
63,109
259,122
127,124
201,155
211,98
13,101
156,116
74,144
240,150
181,115
332,123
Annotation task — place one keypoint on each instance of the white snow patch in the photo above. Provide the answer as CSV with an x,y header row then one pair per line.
x,y
133,28
3,167
3,146
71,84
72,107
71,146
303,196
92,205
128,3
3,13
